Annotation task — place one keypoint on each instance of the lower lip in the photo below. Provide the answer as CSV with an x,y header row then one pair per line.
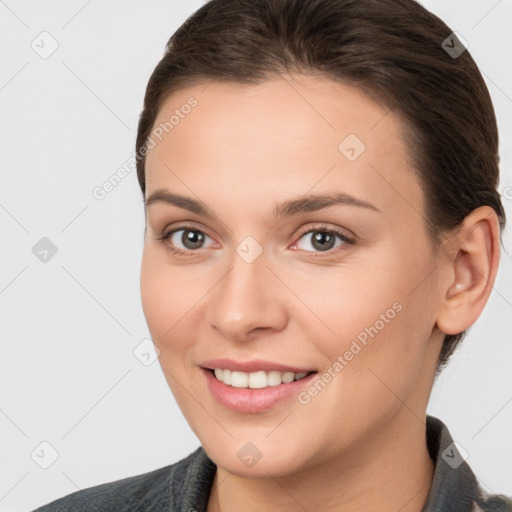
x,y
252,400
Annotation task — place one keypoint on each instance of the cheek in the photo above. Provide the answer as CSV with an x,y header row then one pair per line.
x,y
377,323
155,297
344,302
166,301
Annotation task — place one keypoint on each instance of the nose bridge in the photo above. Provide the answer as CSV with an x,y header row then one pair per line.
x,y
245,299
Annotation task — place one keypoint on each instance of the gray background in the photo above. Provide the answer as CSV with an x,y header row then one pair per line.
x,y
70,325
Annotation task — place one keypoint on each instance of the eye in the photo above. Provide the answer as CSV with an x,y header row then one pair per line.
x,y
189,238
186,240
323,239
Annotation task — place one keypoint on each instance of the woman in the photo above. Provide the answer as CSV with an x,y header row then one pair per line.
x,y
322,228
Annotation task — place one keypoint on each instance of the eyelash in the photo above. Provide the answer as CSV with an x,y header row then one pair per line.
x,y
318,228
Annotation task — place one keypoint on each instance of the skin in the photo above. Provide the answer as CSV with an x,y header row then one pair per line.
x,y
359,444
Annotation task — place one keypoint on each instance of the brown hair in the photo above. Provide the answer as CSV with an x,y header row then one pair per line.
x,y
394,50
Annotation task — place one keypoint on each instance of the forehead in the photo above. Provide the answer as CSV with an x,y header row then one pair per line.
x,y
282,137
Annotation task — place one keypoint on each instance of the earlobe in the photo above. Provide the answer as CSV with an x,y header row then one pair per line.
x,y
471,265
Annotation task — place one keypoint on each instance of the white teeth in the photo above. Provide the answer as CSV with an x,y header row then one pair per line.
x,y
273,378
239,379
288,377
256,380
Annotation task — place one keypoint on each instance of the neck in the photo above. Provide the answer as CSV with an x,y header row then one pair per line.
x,y
392,471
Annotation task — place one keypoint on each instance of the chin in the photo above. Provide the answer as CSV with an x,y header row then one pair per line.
x,y
254,460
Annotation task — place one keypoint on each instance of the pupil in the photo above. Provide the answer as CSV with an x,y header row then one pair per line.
x,y
323,240
192,237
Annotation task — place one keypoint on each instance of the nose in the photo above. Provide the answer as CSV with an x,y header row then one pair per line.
x,y
248,299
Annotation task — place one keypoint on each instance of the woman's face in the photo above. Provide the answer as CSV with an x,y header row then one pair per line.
x,y
271,278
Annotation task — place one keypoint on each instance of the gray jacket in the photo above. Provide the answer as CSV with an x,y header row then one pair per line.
x,y
185,485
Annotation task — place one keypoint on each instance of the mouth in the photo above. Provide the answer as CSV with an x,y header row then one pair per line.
x,y
254,391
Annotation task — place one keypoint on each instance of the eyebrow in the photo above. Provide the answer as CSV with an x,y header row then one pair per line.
x,y
297,206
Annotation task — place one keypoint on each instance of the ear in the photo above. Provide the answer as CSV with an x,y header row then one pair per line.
x,y
470,264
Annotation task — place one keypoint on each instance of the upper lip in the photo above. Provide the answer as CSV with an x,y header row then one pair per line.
x,y
251,366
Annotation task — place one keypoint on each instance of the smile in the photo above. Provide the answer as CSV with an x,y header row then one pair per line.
x,y
256,390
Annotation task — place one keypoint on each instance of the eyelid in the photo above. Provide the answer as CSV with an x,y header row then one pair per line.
x,y
319,226
184,225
